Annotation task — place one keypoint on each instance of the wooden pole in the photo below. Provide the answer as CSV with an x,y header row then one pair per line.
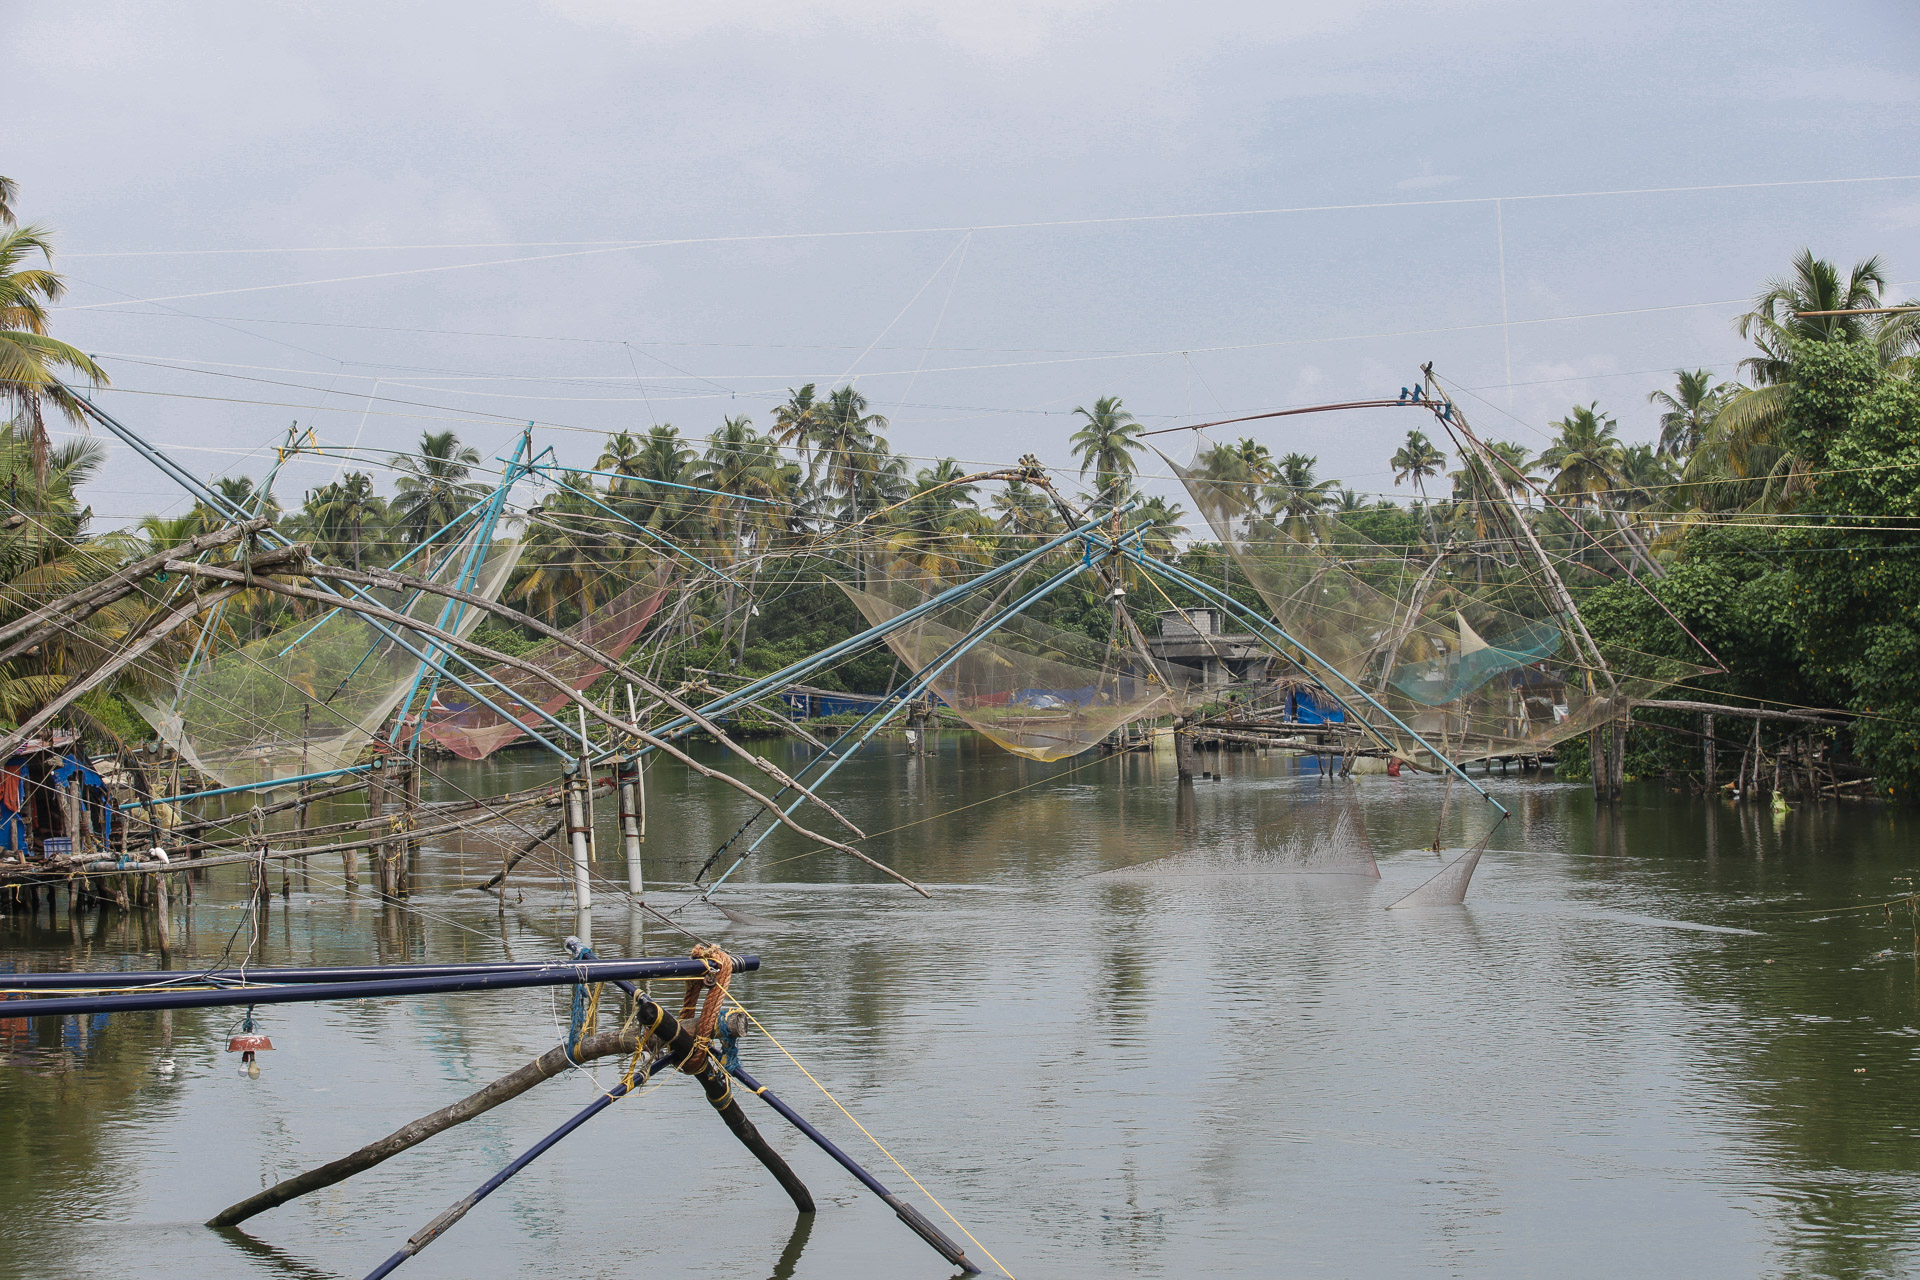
x,y
1710,753
376,809
1617,761
1182,750
411,846
162,911
603,1044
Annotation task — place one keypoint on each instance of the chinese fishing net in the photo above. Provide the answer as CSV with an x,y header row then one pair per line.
x,y
466,727
1038,690
311,696
1478,667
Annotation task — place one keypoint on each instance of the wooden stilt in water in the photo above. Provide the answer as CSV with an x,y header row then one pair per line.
x,y
1617,757
1183,752
410,847
162,914
383,851
1710,755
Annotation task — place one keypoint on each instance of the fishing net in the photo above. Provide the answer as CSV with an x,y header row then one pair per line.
x,y
1478,667
1038,690
310,697
1294,837
466,727
1447,887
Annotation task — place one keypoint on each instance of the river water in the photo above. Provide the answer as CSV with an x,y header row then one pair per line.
x,y
1136,1031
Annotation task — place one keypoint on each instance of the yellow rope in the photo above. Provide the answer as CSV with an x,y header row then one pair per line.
x,y
870,1138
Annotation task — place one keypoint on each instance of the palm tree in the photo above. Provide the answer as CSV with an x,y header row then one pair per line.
x,y
1106,445
621,455
47,552
1587,458
1688,410
1295,493
1345,501
1248,464
570,555
1742,461
941,533
1419,460
435,489
1777,320
31,362
9,195
1513,467
742,463
846,441
795,422
338,512
1023,517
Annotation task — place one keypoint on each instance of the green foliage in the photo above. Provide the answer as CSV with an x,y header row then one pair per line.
x,y
1854,601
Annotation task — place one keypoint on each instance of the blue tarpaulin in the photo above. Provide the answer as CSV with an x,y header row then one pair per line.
x,y
1310,706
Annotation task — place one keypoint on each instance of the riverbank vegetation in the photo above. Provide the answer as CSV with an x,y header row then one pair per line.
x,y
1769,520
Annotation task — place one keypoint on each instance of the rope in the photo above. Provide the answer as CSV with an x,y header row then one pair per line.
x,y
714,986
586,1011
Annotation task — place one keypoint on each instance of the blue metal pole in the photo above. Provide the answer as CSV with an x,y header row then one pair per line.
x,y
258,786
433,1230
456,609
123,979
549,975
920,1224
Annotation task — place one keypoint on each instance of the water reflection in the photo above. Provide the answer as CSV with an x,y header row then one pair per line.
x,y
1208,1062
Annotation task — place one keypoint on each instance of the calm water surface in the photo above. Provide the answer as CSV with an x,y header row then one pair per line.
x,y
1136,1032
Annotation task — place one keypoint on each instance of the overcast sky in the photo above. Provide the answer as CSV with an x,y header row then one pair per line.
x,y
379,219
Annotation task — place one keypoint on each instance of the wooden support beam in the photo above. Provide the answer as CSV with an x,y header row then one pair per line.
x,y
1822,717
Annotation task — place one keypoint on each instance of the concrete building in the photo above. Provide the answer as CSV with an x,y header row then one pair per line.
x,y
1197,640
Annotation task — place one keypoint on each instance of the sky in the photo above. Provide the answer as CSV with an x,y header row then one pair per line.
x,y
377,220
